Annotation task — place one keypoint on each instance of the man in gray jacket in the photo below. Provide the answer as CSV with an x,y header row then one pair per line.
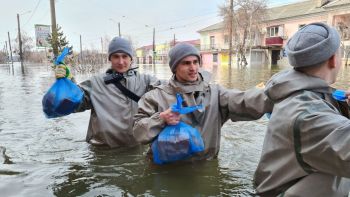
x,y
112,111
306,150
219,104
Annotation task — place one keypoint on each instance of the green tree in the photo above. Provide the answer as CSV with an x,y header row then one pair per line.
x,y
61,39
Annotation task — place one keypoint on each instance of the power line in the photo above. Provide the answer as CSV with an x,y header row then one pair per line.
x,y
207,14
172,28
36,7
44,16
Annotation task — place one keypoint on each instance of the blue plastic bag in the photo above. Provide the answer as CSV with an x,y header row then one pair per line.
x,y
339,95
64,96
60,59
177,142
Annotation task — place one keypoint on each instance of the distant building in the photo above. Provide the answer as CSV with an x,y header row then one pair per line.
x,y
281,23
144,55
214,44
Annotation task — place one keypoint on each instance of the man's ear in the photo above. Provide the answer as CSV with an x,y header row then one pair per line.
x,y
332,61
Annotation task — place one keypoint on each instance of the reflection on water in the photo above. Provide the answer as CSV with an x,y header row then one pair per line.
x,y
128,173
49,157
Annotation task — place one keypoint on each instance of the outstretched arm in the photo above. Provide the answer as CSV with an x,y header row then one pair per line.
x,y
240,105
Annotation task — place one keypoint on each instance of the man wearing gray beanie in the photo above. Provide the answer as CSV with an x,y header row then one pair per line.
x,y
181,51
307,143
108,97
219,104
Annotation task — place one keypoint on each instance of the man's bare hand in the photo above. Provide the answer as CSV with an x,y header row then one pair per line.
x,y
171,118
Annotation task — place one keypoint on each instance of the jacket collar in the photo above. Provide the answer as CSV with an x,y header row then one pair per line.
x,y
287,82
197,86
128,73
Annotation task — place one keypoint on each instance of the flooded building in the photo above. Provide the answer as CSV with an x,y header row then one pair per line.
x,y
280,24
214,45
144,54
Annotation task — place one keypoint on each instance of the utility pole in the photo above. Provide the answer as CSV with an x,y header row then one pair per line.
x,y
119,29
154,46
101,51
20,43
347,57
231,33
54,28
81,51
7,52
8,34
174,40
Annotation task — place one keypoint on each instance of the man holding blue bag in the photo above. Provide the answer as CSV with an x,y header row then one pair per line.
x,y
156,111
112,97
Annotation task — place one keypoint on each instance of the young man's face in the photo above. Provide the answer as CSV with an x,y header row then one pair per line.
x,y
120,62
187,69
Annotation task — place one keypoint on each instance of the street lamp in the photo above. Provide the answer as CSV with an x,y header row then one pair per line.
x,y
154,44
26,12
111,19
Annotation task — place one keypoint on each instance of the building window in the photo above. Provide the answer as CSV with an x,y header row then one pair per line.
x,y
272,31
212,42
226,39
215,57
301,26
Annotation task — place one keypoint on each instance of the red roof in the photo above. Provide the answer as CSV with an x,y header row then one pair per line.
x,y
147,47
193,42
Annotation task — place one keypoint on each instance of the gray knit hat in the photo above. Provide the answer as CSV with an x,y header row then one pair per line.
x,y
180,51
313,44
119,45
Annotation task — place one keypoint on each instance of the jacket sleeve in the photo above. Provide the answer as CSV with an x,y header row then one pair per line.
x,y
86,87
153,82
322,140
243,105
147,123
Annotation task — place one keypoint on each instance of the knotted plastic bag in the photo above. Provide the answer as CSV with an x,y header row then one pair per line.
x,y
63,97
177,142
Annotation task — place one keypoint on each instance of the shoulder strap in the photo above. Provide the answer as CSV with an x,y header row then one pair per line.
x,y
342,106
126,91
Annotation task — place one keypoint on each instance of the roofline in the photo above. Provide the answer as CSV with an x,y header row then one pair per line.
x,y
298,16
323,12
287,4
210,26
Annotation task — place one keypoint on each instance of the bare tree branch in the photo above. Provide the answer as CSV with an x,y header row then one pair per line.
x,y
247,17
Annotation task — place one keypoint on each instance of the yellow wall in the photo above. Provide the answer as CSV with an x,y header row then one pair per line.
x,y
161,47
224,58
139,53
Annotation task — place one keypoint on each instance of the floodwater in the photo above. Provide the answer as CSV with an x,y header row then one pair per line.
x,y
49,157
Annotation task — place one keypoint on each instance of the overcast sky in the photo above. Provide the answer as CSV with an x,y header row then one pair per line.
x,y
94,19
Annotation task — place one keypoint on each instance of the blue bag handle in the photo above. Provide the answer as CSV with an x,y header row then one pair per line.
x,y
177,107
60,59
